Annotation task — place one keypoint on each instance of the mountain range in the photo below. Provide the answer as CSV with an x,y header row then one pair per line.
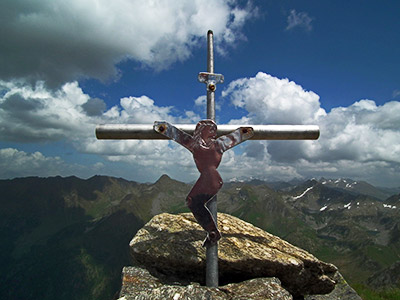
x,y
67,238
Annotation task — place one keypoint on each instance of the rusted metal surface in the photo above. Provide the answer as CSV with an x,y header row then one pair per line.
x,y
207,152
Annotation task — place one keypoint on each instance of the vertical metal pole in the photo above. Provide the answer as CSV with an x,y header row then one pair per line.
x,y
210,69
211,250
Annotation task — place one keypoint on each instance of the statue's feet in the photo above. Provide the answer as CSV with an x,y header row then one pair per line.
x,y
212,238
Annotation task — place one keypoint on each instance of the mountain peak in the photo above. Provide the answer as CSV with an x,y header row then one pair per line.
x,y
166,180
163,178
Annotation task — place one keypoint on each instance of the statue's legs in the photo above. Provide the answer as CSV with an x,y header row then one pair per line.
x,y
202,192
197,205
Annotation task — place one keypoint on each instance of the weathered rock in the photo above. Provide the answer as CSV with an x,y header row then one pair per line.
x,y
258,288
139,284
172,245
342,291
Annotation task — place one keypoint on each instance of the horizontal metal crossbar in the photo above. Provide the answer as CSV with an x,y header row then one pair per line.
x,y
261,132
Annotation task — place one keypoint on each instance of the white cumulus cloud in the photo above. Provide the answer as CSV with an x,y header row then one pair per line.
x,y
61,41
30,114
362,139
15,163
272,100
33,114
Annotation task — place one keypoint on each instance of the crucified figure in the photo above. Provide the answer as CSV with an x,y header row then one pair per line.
x,y
207,152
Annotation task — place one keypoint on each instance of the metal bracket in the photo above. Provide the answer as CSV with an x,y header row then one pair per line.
x,y
211,80
174,133
234,138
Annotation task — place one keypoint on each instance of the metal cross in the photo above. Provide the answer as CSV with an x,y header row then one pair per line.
x,y
207,142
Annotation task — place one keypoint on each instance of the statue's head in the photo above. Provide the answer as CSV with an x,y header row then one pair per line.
x,y
206,129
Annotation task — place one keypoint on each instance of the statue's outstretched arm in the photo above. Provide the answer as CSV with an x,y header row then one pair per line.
x,y
234,138
179,136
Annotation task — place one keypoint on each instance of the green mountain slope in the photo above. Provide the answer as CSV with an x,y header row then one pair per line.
x,y
63,238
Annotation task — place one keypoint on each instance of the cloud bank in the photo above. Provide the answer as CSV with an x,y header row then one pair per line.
x,y
358,141
38,114
361,141
59,41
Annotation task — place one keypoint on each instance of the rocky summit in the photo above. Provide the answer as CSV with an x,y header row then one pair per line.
x,y
168,252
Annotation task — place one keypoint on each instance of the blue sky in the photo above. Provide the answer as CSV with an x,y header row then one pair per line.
x,y
67,66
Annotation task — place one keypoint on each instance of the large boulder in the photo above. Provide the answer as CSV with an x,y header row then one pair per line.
x,y
139,284
170,247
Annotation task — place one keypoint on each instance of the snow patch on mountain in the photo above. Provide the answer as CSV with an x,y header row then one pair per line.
x,y
299,196
323,208
348,205
389,206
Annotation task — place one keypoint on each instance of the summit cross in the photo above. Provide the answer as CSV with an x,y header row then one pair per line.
x,y
207,141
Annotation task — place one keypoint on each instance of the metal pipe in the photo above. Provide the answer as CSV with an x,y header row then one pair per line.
x,y
261,132
210,51
212,276
210,69
212,249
